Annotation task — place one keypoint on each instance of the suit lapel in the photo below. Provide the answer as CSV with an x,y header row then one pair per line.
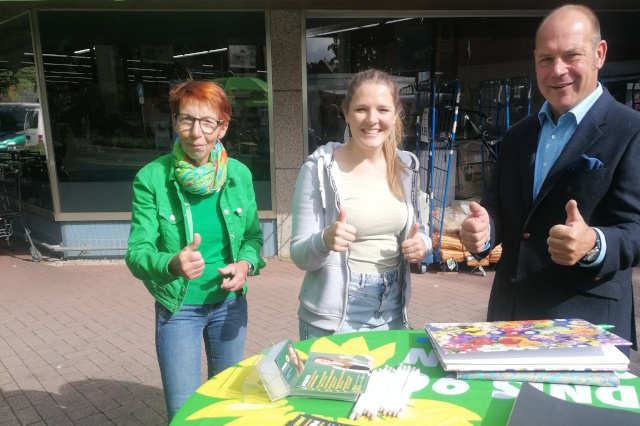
x,y
527,162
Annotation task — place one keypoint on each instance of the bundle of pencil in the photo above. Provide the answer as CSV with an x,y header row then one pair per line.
x,y
388,392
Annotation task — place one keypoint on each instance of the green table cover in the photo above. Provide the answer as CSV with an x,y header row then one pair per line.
x,y
440,399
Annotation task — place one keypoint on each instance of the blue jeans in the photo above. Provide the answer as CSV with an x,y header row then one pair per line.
x,y
375,303
179,337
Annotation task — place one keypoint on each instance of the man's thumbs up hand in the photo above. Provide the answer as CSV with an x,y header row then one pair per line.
x,y
188,263
573,214
474,230
569,243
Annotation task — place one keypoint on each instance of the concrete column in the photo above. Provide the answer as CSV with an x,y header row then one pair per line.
x,y
286,57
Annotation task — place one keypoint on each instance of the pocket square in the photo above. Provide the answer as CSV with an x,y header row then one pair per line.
x,y
586,163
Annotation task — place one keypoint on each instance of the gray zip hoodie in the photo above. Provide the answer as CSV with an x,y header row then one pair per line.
x,y
324,293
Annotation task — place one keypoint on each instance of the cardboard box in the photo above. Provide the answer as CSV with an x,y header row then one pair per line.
x,y
469,180
472,153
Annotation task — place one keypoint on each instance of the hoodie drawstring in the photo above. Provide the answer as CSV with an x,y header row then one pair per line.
x,y
321,181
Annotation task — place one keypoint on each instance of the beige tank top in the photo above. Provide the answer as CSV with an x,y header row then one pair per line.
x,y
379,218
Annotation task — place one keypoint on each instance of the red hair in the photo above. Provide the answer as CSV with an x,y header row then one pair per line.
x,y
204,92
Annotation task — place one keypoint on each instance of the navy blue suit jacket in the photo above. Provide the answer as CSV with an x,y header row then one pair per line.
x,y
528,284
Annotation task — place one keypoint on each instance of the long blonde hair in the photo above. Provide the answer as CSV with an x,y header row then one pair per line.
x,y
390,145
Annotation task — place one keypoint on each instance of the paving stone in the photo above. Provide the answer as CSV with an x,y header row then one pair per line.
x,y
60,421
96,322
28,415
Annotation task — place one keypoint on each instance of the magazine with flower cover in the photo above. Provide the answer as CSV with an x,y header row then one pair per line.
x,y
547,345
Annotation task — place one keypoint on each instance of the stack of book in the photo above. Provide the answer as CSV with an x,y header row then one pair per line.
x,y
497,350
323,375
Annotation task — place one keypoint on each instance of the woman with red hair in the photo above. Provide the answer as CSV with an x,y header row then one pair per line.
x,y
194,239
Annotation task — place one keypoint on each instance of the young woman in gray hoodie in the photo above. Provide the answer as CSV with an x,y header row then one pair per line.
x,y
356,219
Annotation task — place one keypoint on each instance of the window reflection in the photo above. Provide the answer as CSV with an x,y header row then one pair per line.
x,y
413,49
21,126
107,89
475,51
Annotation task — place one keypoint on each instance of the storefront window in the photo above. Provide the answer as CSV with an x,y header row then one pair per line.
x,y
475,51
19,104
107,80
412,50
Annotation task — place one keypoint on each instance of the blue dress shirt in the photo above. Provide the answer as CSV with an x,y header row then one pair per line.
x,y
552,140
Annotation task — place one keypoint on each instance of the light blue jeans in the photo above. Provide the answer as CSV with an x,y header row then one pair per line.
x,y
179,337
375,303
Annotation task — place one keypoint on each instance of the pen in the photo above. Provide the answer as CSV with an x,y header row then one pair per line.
x,y
605,326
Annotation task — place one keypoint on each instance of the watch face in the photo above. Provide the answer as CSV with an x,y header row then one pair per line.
x,y
592,254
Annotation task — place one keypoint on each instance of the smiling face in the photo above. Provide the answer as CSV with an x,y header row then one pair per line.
x,y
196,144
371,115
567,62
328,361
293,354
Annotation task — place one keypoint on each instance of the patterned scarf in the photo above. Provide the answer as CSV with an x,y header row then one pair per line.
x,y
205,179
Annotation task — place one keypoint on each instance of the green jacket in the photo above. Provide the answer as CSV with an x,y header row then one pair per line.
x,y
159,229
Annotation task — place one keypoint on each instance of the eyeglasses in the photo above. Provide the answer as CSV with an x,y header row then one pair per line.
x,y
207,125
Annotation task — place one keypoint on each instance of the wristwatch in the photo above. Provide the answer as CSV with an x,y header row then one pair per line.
x,y
594,252
249,266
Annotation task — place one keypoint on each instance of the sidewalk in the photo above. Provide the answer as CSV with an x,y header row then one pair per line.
x,y
77,339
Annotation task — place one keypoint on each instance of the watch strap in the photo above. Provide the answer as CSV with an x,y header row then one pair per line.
x,y
249,266
595,251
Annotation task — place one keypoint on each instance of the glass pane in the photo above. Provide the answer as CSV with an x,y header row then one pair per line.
x,y
107,87
31,121
481,53
412,50
18,103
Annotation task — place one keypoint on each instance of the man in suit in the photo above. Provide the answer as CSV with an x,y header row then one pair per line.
x,y
564,199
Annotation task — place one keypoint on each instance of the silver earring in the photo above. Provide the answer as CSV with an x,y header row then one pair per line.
x,y
347,133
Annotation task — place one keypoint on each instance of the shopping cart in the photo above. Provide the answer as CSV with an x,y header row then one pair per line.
x,y
493,104
519,98
436,119
10,206
501,103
